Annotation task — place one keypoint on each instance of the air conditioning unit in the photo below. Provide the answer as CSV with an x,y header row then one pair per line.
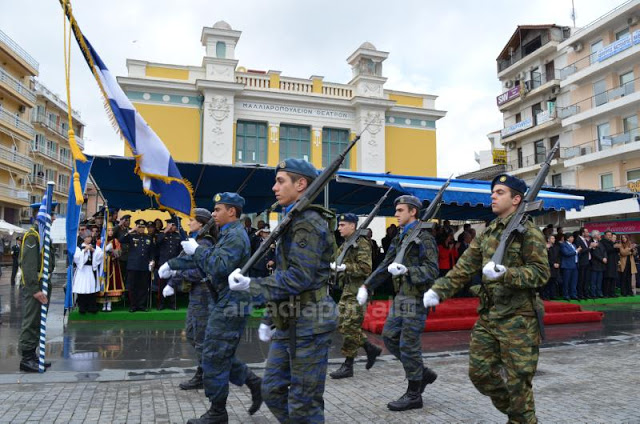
x,y
508,83
577,47
22,109
555,89
632,20
511,145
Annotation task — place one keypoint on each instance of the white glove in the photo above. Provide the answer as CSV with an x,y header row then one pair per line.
x,y
189,246
168,291
493,271
339,268
108,248
396,269
238,282
165,272
430,299
362,296
265,332
151,264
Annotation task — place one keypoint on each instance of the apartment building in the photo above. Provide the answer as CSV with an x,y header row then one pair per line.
x,y
17,98
492,162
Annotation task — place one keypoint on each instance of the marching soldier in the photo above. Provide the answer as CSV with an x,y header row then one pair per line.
x,y
505,339
303,313
407,316
167,247
355,268
139,265
230,311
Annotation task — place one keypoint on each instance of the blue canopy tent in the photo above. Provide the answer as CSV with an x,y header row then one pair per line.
x,y
349,192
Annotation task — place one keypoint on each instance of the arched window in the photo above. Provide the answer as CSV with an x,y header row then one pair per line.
x,y
221,50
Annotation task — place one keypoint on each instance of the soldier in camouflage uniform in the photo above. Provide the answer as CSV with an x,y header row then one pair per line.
x,y
354,269
229,312
295,373
407,316
200,300
505,338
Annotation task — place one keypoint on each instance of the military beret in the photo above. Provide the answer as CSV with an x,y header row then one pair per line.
x,y
123,217
298,166
231,199
202,215
151,224
141,222
408,199
511,182
349,217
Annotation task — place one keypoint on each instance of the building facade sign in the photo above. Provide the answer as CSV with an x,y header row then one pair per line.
x,y
507,96
618,227
280,108
515,128
499,156
619,45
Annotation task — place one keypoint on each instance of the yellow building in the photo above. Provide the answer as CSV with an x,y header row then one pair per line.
x,y
223,113
17,98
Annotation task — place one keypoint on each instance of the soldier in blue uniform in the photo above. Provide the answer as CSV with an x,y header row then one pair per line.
x,y
167,247
407,316
141,255
230,310
297,298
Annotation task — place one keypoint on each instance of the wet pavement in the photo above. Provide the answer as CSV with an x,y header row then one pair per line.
x,y
93,347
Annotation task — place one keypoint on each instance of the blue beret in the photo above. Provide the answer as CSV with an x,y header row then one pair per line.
x,y
349,217
511,182
408,200
298,166
231,199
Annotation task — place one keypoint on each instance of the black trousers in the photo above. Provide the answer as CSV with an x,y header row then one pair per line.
x,y
14,272
86,302
625,280
583,281
139,282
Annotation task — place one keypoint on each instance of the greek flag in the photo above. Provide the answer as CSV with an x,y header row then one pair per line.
x,y
154,164
42,217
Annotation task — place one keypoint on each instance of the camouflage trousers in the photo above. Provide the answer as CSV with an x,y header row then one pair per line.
x,y
219,363
401,333
200,304
350,318
506,346
293,389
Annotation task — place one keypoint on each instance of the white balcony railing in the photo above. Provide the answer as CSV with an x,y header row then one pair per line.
x,y
16,122
13,193
15,157
17,85
4,38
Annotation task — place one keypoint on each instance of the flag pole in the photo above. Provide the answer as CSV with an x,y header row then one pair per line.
x,y
45,275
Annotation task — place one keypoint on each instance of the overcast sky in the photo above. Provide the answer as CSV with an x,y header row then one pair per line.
x,y
443,48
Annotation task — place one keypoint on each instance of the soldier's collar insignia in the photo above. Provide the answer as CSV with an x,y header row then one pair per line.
x,y
503,178
217,197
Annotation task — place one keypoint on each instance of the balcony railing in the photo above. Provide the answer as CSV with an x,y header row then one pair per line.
x,y
601,55
607,142
37,180
598,99
15,157
17,85
16,122
56,128
19,50
519,54
13,193
539,119
526,161
296,85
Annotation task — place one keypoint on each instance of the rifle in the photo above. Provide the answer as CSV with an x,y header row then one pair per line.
x,y
353,239
516,225
314,189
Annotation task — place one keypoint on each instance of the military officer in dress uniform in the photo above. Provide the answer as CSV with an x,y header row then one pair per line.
x,y
141,254
119,231
297,295
354,269
407,316
167,247
503,353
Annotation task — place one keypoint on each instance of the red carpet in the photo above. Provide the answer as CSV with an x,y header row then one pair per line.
x,y
460,314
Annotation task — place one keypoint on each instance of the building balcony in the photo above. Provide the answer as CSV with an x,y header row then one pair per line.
x,y
264,82
539,84
615,100
544,120
51,155
21,93
23,58
15,160
14,196
518,59
611,148
16,125
51,126
530,163
38,181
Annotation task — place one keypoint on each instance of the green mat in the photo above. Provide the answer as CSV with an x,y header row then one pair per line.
x,y
122,314
603,301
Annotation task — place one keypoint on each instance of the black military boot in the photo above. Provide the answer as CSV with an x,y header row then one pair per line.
x,y
345,370
29,362
36,354
254,383
195,382
428,377
373,352
217,414
412,399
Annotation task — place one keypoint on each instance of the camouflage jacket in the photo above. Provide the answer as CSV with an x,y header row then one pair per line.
x,y
303,255
193,275
358,263
527,269
421,260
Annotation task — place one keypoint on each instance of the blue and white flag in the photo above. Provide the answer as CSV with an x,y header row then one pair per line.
x,y
154,164
42,217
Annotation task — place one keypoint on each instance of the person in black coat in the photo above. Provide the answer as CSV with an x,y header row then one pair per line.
x,y
550,290
581,241
139,266
598,263
611,269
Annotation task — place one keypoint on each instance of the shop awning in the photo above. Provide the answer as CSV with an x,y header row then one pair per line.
x,y
350,192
